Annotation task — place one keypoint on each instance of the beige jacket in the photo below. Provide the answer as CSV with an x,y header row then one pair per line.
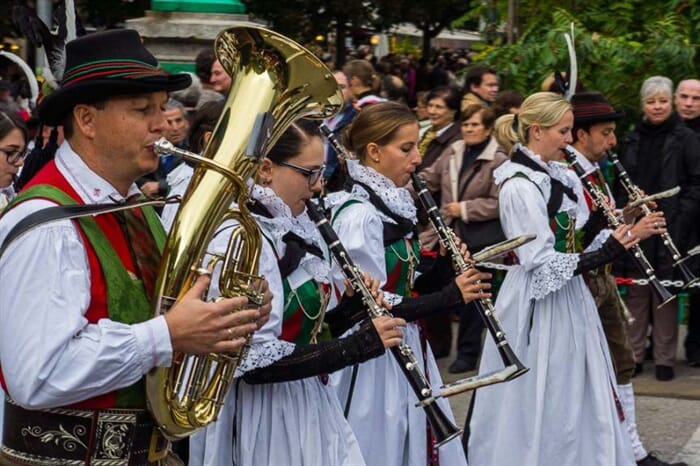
x,y
479,200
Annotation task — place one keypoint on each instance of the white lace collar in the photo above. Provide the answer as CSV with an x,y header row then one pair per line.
x,y
556,170
283,222
397,199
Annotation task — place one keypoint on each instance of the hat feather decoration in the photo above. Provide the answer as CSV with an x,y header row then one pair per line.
x,y
31,79
570,90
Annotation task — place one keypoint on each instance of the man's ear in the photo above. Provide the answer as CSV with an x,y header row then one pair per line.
x,y
84,117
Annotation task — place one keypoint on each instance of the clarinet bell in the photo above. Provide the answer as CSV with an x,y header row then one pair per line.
x,y
441,427
663,296
687,275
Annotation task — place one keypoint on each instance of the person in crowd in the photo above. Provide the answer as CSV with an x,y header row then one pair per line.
x,y
507,101
360,75
394,89
687,100
281,409
480,86
659,154
156,184
13,147
203,123
564,410
220,80
190,96
463,176
78,333
421,109
375,220
443,113
438,76
337,123
408,75
593,136
203,63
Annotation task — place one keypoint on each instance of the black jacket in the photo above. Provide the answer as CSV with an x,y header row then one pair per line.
x,y
680,166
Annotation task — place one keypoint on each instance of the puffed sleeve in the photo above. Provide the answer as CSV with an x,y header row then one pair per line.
x,y
523,211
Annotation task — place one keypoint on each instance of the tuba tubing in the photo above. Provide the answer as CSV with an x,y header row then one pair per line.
x,y
275,81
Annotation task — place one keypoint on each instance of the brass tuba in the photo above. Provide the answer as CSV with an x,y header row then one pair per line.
x,y
275,81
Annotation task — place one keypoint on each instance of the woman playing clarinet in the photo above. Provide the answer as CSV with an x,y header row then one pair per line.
x,y
565,410
375,219
281,409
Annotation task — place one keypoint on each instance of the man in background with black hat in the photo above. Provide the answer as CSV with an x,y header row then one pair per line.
x,y
594,135
77,334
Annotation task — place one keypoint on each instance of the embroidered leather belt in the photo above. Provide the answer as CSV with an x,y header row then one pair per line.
x,y
81,437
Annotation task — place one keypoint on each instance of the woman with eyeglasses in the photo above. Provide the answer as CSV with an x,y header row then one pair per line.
x,y
13,144
376,222
281,409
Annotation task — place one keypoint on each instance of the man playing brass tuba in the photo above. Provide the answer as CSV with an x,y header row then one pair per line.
x,y
77,331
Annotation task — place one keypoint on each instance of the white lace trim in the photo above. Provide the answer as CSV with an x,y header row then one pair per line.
x,y
392,298
6,195
283,222
599,240
553,274
397,199
263,354
556,170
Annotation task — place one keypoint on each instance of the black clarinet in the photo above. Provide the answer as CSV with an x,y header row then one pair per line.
x,y
340,149
635,194
513,367
442,428
599,198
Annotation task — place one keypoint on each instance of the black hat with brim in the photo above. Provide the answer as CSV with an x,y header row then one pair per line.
x,y
106,64
591,107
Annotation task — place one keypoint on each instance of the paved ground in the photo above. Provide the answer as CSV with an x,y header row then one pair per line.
x,y
668,413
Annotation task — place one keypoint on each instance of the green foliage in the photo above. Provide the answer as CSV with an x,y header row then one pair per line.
x,y
615,50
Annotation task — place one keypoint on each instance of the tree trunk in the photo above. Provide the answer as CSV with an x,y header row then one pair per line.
x,y
340,35
427,38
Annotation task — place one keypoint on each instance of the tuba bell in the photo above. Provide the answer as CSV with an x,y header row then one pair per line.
x,y
275,81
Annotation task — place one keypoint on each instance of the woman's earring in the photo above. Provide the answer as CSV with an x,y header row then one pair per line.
x,y
376,160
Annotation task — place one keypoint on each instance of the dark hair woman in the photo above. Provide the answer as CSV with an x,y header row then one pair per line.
x,y
281,410
13,145
443,113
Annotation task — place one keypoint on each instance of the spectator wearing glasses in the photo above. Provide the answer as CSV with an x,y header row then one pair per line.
x,y
13,145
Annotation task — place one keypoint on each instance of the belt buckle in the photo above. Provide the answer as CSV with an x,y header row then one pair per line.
x,y
158,448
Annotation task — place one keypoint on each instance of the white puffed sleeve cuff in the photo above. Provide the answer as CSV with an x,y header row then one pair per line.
x,y
153,338
553,274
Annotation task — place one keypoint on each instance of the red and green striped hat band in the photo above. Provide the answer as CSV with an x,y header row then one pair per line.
x,y
106,64
591,107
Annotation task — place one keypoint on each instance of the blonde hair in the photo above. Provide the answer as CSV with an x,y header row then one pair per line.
x,y
543,108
